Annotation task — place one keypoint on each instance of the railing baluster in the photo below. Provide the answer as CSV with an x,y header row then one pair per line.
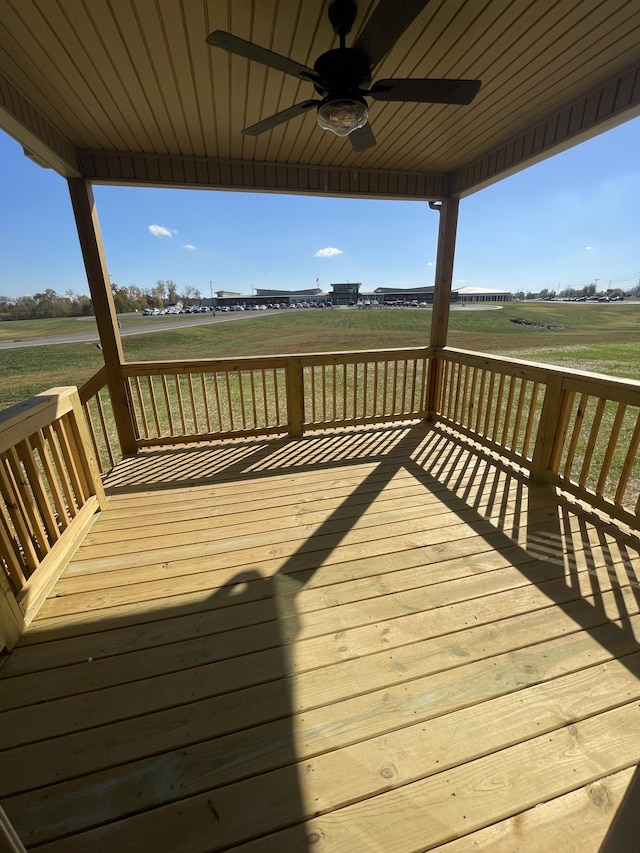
x,y
11,549
323,375
154,405
265,407
481,401
471,404
28,503
38,444
143,415
365,381
627,465
52,443
489,404
18,515
240,376
180,402
313,394
276,386
613,439
575,435
394,402
354,405
518,419
376,379
229,401
205,400
75,471
385,380
42,503
531,420
414,377
508,411
403,403
591,443
498,409
192,400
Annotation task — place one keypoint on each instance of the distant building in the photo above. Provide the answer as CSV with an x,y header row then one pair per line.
x,y
394,295
345,293
483,294
350,293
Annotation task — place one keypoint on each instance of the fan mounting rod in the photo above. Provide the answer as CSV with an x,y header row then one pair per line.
x,y
342,14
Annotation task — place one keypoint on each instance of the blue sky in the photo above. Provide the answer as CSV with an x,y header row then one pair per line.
x,y
565,222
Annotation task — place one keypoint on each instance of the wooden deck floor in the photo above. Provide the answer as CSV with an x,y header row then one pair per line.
x,y
361,641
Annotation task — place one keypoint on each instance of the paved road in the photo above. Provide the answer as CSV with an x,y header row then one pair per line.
x,y
154,324
91,334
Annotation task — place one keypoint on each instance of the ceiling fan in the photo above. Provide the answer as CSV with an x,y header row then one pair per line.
x,y
342,77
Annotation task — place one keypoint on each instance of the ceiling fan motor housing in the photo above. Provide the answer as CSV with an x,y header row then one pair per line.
x,y
344,73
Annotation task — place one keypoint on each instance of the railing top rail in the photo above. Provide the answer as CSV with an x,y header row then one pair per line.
x,y
133,368
91,387
595,381
24,418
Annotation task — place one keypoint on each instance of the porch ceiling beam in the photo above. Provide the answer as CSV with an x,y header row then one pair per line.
x,y
42,142
112,167
602,107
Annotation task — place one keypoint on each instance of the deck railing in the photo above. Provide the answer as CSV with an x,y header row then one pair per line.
x,y
495,401
595,455
199,400
573,430
49,491
576,430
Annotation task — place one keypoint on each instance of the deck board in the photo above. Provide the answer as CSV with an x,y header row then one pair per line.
x,y
365,640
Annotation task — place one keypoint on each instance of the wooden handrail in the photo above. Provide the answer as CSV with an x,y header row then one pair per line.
x,y
576,430
200,399
50,488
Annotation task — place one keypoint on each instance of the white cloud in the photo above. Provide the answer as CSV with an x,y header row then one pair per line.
x,y
429,264
188,246
329,252
588,248
159,231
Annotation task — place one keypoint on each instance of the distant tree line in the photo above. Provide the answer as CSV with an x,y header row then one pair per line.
x,y
129,299
586,292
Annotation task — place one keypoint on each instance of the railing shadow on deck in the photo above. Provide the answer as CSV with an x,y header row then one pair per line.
x,y
215,779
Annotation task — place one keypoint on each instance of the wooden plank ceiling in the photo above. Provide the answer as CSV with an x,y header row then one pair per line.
x,y
129,91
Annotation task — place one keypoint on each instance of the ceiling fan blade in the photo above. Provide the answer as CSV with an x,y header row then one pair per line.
x,y
279,118
249,50
362,138
426,91
385,26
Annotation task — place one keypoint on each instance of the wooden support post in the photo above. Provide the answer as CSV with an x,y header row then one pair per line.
x,y
295,397
448,213
86,216
552,430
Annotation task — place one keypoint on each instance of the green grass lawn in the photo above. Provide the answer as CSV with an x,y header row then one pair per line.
x,y
595,337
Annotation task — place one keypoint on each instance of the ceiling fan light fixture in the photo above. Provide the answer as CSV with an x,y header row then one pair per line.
x,y
343,115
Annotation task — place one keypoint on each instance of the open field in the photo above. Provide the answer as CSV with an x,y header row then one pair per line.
x,y
596,337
